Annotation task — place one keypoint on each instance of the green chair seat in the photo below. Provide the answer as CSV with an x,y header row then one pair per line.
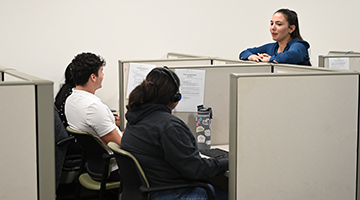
x,y
91,184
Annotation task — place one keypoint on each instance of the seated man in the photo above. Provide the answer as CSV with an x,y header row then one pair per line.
x,y
85,111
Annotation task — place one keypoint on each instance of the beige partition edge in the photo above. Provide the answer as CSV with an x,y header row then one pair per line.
x,y
294,136
214,60
287,68
183,55
27,125
354,60
341,53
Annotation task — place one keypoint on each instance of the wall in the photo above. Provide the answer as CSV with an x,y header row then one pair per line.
x,y
41,37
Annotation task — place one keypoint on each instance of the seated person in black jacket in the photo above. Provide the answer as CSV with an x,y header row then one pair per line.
x,y
162,143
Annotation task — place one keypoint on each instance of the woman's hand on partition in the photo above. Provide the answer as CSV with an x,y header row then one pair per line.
x,y
255,58
264,57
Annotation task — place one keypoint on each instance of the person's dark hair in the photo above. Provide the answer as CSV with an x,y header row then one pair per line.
x,y
292,18
157,88
63,94
85,64
68,77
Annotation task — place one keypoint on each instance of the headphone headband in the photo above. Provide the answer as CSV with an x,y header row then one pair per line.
x,y
177,96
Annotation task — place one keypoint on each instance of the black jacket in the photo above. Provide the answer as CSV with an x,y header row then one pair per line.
x,y
166,148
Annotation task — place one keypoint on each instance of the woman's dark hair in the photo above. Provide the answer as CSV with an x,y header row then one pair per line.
x,y
292,18
65,88
85,64
157,88
63,94
68,77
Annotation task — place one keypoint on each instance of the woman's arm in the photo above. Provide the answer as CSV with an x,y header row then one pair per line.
x,y
296,54
253,53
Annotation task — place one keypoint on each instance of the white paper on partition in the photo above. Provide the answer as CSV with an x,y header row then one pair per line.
x,y
339,63
192,86
218,62
137,73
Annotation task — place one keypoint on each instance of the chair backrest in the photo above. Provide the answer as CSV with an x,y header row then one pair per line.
x,y
60,151
93,152
132,175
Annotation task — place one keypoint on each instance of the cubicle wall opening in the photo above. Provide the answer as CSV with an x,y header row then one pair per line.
x,y
27,127
294,136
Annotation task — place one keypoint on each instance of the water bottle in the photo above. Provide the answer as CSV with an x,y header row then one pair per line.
x,y
203,127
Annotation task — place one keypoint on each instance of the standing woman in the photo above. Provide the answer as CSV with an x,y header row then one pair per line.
x,y
162,143
289,47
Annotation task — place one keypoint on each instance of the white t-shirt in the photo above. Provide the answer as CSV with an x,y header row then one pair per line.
x,y
85,112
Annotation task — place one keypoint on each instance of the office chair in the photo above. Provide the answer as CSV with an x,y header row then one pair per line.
x,y
67,153
135,185
96,162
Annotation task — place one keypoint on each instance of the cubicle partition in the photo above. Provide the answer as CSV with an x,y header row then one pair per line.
x,y
342,53
292,130
294,135
216,90
214,60
287,68
215,96
27,131
183,55
124,69
222,61
342,62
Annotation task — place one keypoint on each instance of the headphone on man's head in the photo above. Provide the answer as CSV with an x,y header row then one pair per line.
x,y
177,95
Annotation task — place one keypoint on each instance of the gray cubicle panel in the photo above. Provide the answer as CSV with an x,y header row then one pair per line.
x,y
222,61
216,94
214,60
27,129
342,53
354,60
287,68
183,55
294,136
216,91
124,73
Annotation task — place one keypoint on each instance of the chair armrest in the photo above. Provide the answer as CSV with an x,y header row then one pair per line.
x,y
106,156
65,140
205,186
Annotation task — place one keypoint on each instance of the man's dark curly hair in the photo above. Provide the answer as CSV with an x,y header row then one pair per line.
x,y
85,64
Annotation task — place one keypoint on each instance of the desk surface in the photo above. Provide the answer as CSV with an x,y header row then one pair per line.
x,y
224,147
